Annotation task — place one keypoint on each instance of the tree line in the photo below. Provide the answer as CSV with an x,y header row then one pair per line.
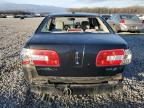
x,y
103,10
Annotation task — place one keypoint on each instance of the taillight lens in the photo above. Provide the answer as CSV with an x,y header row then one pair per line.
x,y
113,57
40,57
122,21
25,56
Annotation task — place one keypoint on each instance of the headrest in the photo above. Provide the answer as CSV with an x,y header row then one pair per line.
x,y
84,25
59,25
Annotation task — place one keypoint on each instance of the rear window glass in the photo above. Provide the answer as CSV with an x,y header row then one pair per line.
x,y
106,17
74,24
132,17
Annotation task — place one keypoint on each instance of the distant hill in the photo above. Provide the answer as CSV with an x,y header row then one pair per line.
x,y
30,7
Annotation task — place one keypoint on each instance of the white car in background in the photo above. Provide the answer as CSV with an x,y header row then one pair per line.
x,y
141,17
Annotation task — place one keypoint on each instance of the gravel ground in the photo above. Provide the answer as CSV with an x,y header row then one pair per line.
x,y
14,33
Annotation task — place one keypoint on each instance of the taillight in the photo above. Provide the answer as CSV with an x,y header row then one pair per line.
x,y
25,56
113,57
40,57
122,21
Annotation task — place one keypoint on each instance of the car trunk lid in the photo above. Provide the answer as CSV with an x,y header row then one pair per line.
x,y
77,53
132,22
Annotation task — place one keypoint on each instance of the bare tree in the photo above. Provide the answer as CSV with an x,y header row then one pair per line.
x,y
103,10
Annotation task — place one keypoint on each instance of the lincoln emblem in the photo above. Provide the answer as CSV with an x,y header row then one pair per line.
x,y
77,57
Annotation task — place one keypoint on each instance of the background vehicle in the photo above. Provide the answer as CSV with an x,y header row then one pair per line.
x,y
106,16
141,17
74,50
3,16
126,22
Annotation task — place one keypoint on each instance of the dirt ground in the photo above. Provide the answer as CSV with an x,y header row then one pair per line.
x,y
13,35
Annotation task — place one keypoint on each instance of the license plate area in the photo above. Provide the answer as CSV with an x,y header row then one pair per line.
x,y
134,27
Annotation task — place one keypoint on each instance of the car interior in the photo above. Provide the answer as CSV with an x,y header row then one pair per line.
x,y
75,24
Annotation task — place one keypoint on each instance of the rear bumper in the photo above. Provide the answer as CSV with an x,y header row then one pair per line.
x,y
131,28
55,84
76,88
48,84
75,80
89,76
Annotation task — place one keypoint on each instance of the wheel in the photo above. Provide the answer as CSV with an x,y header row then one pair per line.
x,y
28,97
138,31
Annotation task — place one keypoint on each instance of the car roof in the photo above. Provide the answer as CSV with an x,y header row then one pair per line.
x,y
72,14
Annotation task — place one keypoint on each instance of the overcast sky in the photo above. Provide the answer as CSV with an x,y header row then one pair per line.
x,y
80,3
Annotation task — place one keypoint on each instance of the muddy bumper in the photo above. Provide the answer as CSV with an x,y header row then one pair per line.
x,y
77,85
76,88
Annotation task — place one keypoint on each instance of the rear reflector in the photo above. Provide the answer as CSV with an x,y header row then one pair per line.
x,y
113,57
40,57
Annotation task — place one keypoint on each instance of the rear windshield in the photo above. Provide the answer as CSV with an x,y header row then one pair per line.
x,y
74,24
132,17
106,17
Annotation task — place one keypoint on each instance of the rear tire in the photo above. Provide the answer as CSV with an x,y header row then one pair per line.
x,y
108,93
28,97
138,31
